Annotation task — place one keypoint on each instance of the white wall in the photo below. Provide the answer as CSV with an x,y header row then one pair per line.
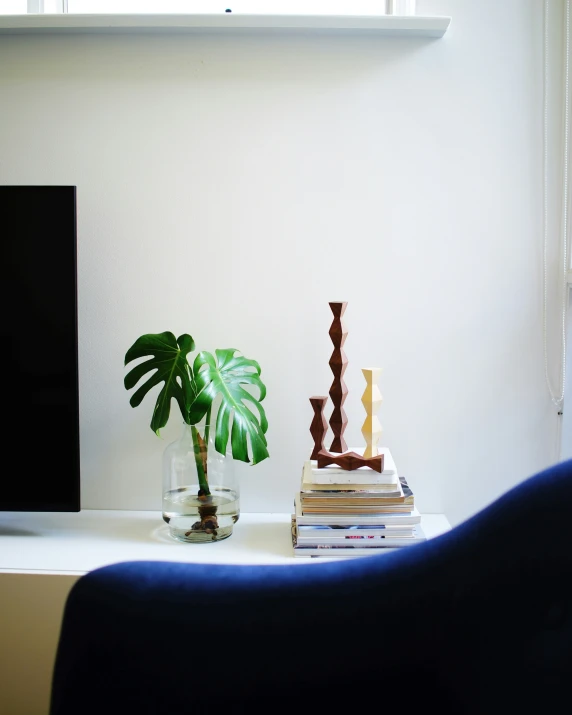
x,y
231,186
567,416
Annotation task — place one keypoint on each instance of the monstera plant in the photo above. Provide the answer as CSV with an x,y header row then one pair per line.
x,y
221,392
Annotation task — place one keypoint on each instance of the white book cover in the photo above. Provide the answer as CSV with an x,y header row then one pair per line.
x,y
363,475
344,478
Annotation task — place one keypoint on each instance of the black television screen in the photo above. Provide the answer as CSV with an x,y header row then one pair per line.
x,y
40,435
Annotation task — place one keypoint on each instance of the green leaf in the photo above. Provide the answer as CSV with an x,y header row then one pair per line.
x,y
168,364
225,377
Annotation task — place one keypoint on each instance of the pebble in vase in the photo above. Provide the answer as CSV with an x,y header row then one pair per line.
x,y
192,514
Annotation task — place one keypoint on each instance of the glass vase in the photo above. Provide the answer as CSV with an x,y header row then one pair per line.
x,y
195,514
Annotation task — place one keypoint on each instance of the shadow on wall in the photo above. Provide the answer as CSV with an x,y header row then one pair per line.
x,y
216,58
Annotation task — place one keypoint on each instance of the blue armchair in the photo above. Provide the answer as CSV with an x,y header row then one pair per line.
x,y
477,620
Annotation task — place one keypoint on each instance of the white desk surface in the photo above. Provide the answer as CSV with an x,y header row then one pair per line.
x,y
78,542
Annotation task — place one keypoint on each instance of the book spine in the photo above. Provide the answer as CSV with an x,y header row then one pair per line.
x,y
397,530
319,477
348,538
327,555
359,504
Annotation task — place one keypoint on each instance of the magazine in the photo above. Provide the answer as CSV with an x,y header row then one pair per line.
x,y
407,492
354,530
338,508
318,553
360,541
390,490
352,550
336,519
361,497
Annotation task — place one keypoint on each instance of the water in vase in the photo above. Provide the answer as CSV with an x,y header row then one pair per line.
x,y
201,519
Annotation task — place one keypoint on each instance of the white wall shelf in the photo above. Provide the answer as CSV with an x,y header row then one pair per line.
x,y
382,25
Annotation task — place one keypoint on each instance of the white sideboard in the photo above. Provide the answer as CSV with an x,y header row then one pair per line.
x,y
74,543
43,554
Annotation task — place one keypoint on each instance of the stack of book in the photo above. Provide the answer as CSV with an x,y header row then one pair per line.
x,y
341,513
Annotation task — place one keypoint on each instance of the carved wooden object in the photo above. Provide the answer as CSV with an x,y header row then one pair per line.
x,y
350,461
319,425
371,399
338,391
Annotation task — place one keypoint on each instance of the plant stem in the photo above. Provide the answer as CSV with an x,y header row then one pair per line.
x,y
208,425
201,465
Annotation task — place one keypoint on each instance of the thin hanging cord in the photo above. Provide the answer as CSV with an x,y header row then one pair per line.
x,y
565,228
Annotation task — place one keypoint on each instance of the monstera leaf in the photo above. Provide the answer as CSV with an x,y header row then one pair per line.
x,y
225,375
168,363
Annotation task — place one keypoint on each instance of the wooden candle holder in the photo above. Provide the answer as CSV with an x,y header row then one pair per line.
x,y
371,400
338,391
350,461
319,425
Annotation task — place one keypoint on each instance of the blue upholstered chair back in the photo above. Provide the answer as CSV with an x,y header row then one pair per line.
x,y
478,620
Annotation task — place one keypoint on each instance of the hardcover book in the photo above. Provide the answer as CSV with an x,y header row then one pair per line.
x,y
355,508
348,519
361,497
382,489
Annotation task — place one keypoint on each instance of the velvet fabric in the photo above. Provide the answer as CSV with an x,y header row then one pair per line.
x,y
477,620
